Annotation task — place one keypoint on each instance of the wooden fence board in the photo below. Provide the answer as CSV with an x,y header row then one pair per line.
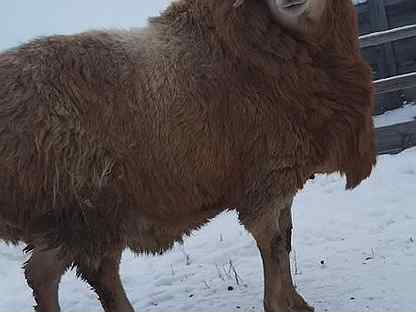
x,y
389,35
396,138
399,82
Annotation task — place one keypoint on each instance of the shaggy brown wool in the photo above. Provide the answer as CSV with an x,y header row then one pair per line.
x,y
132,139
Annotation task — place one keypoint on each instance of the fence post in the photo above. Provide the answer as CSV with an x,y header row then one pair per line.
x,y
386,62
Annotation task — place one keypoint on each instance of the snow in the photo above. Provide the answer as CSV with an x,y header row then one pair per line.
x,y
390,31
365,237
358,1
400,115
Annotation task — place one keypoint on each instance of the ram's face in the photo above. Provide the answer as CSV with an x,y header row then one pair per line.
x,y
297,14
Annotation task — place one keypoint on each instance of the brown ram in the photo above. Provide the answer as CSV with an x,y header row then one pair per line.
x,y
131,139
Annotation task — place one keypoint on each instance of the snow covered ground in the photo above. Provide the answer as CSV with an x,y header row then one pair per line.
x,y
366,239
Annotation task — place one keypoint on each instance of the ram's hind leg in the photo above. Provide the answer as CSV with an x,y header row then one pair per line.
x,y
43,273
103,276
272,231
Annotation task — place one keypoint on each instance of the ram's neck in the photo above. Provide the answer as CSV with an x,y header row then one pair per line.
x,y
251,82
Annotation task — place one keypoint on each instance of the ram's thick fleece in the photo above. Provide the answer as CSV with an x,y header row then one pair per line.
x,y
132,139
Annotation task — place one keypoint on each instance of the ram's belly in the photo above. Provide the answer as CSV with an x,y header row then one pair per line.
x,y
156,235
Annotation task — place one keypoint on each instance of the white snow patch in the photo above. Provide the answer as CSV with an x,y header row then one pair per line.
x,y
400,115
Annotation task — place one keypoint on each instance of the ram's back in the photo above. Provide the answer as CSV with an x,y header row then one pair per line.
x,y
59,115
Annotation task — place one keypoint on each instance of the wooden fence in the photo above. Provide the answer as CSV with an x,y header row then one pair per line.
x,y
389,57
396,138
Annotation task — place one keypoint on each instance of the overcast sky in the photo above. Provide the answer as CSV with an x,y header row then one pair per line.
x,y
21,20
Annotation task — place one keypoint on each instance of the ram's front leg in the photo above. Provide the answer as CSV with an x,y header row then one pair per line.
x,y
272,231
104,278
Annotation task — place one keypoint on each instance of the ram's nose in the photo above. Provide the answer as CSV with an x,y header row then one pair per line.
x,y
293,7
292,3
